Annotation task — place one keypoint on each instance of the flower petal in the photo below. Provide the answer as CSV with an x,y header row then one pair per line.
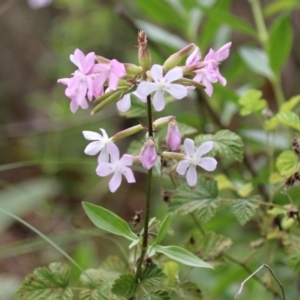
x,y
146,88
127,172
182,166
104,169
91,135
173,75
178,91
103,156
189,147
73,106
158,100
204,148
191,175
115,182
208,163
124,104
89,62
157,72
93,148
126,160
113,150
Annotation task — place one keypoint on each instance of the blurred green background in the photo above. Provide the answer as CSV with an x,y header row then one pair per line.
x,y
44,174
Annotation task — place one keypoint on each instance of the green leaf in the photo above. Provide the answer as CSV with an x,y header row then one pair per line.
x,y
211,246
280,43
202,199
47,283
188,291
256,60
158,295
183,256
289,118
108,221
222,17
291,244
135,147
251,102
125,286
286,163
290,104
163,229
171,270
226,143
244,209
281,5
152,275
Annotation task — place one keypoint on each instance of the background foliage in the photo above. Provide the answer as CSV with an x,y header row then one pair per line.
x,y
45,175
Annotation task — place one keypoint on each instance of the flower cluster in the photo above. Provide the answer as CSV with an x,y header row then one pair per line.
x,y
105,81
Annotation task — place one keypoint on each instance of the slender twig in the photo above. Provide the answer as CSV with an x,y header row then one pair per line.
x,y
237,297
148,199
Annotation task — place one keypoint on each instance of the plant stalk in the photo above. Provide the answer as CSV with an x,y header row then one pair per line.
x,y
148,199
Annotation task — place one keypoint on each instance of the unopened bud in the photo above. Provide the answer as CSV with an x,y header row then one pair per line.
x,y
143,52
148,154
175,59
102,60
173,155
173,139
127,132
160,122
132,70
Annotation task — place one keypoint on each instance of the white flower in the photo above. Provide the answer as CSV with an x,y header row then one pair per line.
x,y
124,103
99,145
162,84
188,165
118,167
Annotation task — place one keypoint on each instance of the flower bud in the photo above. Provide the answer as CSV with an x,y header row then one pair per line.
x,y
102,60
175,59
173,139
144,53
132,69
127,132
148,154
160,122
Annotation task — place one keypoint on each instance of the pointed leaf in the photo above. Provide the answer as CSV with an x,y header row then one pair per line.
x,y
257,60
286,163
108,221
183,256
188,291
280,42
163,229
47,283
202,200
244,209
290,104
289,118
226,143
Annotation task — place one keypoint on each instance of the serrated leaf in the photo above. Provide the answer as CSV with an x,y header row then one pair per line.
x,y
47,283
188,291
244,209
226,143
94,294
289,118
210,247
291,244
251,102
125,286
163,229
257,60
108,221
280,42
152,275
158,295
183,256
202,199
286,163
92,278
290,104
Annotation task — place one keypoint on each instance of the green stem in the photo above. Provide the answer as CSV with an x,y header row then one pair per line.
x,y
148,199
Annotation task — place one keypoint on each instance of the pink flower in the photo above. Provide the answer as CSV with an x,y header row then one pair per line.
x,y
211,73
173,136
148,154
111,72
82,81
117,167
194,158
161,85
194,57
